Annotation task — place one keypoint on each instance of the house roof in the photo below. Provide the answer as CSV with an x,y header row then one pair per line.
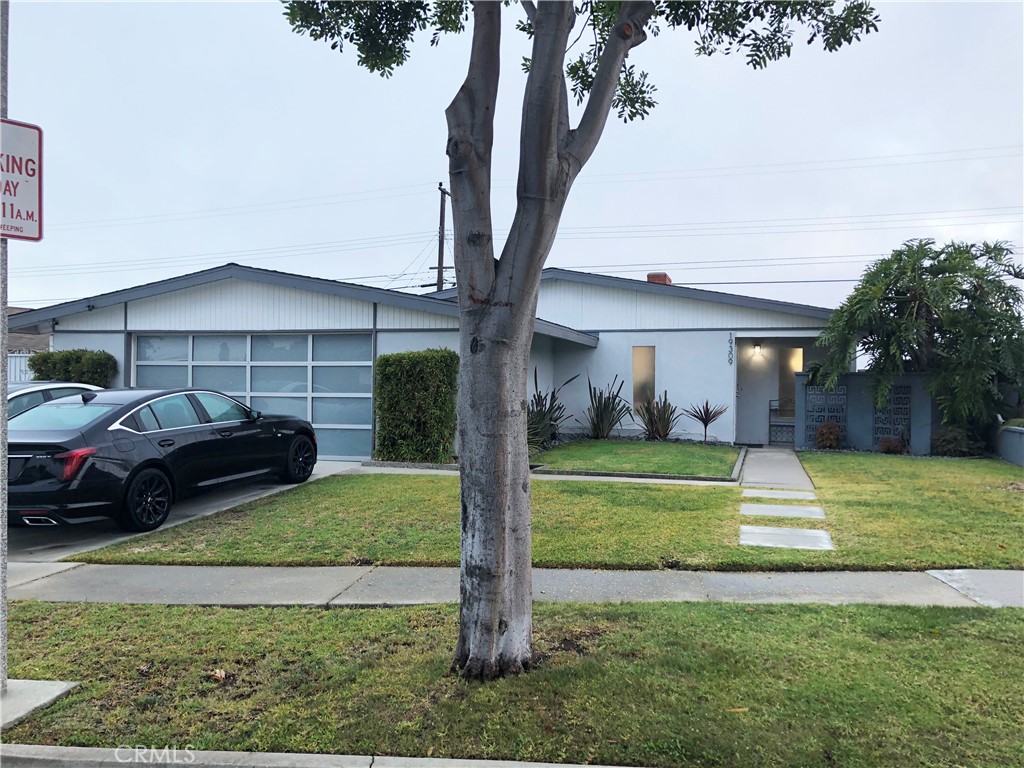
x,y
272,277
677,291
28,342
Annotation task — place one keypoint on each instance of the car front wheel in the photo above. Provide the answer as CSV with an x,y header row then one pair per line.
x,y
148,501
300,461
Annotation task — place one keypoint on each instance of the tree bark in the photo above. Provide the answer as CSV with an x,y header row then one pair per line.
x,y
497,308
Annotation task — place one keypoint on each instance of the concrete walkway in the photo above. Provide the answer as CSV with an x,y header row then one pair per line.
x,y
382,586
774,468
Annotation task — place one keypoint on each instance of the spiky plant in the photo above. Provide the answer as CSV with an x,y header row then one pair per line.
x,y
657,417
544,415
706,414
607,409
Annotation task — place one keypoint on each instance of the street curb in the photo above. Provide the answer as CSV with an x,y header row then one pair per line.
x,y
37,756
738,469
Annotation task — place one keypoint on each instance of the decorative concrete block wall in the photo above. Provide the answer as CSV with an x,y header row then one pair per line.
x,y
908,412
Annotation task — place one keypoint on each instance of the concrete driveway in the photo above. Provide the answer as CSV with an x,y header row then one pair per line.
x,y
49,544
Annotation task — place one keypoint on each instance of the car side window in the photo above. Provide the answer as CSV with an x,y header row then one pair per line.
x,y
23,402
146,420
175,411
221,408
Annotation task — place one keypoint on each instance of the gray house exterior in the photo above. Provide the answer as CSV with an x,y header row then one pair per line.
x,y
293,344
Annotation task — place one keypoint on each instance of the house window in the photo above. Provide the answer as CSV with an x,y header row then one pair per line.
x,y
643,374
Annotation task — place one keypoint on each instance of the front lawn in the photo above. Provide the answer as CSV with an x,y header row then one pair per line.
x,y
883,512
656,685
641,456
959,511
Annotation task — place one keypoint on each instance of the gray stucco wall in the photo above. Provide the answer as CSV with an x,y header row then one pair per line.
x,y
1011,445
114,343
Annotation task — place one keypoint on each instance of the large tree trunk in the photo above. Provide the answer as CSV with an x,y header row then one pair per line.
x,y
496,626
498,304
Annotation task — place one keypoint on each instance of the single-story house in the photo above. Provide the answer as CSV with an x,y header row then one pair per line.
x,y
288,343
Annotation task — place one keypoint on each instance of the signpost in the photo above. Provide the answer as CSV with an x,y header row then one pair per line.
x,y
21,206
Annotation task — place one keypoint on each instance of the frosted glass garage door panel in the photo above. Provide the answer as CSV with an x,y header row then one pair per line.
x,y
223,349
342,410
343,442
342,348
161,376
280,349
156,348
355,378
287,406
225,378
280,378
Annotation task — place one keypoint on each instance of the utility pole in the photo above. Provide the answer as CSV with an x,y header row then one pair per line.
x,y
440,239
4,29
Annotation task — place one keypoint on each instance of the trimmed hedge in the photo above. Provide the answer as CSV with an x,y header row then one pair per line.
x,y
414,405
83,366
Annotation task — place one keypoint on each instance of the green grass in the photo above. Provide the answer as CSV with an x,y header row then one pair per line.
x,y
693,459
655,685
883,512
927,510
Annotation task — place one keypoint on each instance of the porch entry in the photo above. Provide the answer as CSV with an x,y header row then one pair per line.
x,y
766,390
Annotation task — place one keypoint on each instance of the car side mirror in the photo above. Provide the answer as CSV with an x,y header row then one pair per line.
x,y
255,415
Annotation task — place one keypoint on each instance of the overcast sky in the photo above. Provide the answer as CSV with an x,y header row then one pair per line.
x,y
181,136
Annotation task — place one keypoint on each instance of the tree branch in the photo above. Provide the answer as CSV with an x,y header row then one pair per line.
x,y
530,8
627,34
470,119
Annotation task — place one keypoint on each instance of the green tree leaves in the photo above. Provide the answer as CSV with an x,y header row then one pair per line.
x,y
951,312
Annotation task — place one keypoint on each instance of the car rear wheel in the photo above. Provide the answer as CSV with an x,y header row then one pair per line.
x,y
148,501
300,461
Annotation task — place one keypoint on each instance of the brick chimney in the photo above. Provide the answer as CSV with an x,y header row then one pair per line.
x,y
659,277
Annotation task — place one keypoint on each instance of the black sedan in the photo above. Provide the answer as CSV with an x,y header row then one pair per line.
x,y
128,454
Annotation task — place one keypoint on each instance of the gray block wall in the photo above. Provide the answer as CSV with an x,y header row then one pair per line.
x,y
852,405
1011,445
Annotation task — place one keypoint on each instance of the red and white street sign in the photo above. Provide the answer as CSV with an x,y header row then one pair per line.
x,y
21,180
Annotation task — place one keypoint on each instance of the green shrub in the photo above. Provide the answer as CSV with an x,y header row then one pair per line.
x,y
607,409
894,445
544,415
83,366
414,405
828,436
956,441
657,417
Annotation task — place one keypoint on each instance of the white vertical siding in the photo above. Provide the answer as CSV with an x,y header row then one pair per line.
x,y
398,317
241,305
598,307
102,319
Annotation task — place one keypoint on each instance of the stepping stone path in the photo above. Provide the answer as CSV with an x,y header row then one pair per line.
x,y
786,538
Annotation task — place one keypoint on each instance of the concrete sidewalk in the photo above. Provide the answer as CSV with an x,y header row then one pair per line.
x,y
32,756
774,468
387,586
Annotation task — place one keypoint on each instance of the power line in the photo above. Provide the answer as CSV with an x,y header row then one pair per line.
x,y
633,231
670,175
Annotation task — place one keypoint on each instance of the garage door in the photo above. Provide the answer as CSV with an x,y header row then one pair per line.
x,y
326,378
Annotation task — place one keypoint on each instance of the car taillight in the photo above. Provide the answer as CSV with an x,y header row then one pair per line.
x,y
73,461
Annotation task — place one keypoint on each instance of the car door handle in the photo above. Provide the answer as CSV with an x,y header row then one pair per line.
x,y
225,433
167,443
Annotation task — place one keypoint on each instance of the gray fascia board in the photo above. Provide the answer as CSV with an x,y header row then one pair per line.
x,y
565,333
680,291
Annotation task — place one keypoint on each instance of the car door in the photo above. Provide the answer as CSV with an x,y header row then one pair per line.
x,y
243,445
174,427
